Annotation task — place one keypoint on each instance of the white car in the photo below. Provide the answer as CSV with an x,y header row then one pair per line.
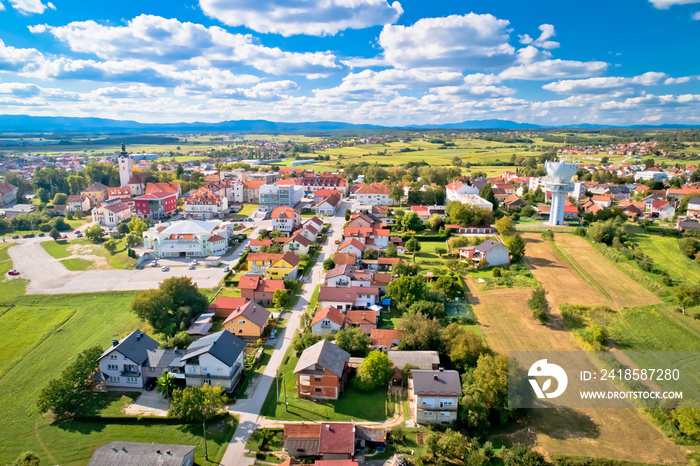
x,y
194,262
165,268
154,264
191,266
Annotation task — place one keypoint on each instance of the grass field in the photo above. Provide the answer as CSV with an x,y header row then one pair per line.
x,y
623,434
667,256
351,406
85,255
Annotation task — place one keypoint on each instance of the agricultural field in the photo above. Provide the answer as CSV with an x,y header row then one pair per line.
x,y
623,434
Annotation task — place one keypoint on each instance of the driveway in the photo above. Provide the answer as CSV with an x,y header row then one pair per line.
x,y
150,404
248,409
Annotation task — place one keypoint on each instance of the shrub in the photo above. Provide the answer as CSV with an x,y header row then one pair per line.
x,y
538,305
497,272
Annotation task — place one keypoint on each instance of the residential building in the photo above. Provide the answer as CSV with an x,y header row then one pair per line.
x,y
96,192
349,275
123,193
352,246
216,359
255,244
247,321
297,244
204,205
348,297
382,339
427,360
483,230
258,262
111,213
275,195
365,320
285,267
158,202
225,305
490,252
187,238
340,258
251,191
8,194
321,194
512,202
321,182
122,365
602,200
570,209
259,289
335,442
433,396
285,219
321,370
373,194
693,207
327,321
328,205
18,209
78,202
143,454
663,209
456,189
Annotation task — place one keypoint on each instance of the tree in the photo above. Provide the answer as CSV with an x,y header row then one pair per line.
x,y
402,268
132,239
374,372
396,192
411,222
181,340
172,306
68,395
413,246
354,341
43,195
435,222
686,296
165,384
463,346
451,445
468,215
153,306
27,458
76,183
538,305
516,247
300,343
179,171
94,233
523,455
328,264
280,298
123,228
54,234
198,404
138,226
504,226
60,199
687,417
487,193
440,251
451,286
391,250
420,332
110,245
406,289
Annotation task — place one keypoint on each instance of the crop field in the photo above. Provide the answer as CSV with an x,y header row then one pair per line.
x,y
579,274
623,434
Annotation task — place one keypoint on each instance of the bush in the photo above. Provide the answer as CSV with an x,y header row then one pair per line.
x,y
497,272
547,235
538,305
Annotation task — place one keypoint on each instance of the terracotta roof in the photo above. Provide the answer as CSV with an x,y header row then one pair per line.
x,y
345,294
336,438
260,242
301,431
351,242
224,305
383,337
331,313
341,258
215,239
263,256
253,184
248,282
120,191
117,207
374,188
158,188
283,212
333,200
95,188
290,257
361,317
323,193
75,198
301,239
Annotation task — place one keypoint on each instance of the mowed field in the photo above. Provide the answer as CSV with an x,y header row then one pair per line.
x,y
581,275
668,257
623,434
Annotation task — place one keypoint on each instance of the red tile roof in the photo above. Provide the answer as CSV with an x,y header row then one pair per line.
x,y
337,437
384,337
331,313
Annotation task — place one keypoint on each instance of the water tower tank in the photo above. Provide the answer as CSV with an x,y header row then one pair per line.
x,y
561,172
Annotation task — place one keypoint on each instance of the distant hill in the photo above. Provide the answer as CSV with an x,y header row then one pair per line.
x,y
43,124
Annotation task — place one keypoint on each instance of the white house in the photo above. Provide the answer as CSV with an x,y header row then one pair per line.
x,y
490,251
215,359
693,207
328,206
456,189
373,194
348,297
78,202
297,244
204,205
433,396
285,219
663,208
327,321
187,238
122,364
352,246
111,213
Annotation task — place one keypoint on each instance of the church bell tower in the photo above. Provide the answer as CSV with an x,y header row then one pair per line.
x,y
124,167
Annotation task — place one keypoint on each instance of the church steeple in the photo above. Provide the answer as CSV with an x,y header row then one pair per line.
x,y
123,152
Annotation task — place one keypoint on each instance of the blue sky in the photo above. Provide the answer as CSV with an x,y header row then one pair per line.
x,y
362,61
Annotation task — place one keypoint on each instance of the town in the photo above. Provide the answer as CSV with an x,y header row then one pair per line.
x,y
340,300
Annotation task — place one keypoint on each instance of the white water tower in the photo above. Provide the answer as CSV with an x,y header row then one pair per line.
x,y
558,183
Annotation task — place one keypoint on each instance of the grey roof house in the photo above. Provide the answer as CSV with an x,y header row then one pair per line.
x,y
122,364
215,359
321,371
143,454
433,396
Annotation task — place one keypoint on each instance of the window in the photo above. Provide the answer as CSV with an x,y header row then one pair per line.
x,y
112,367
317,379
151,369
242,321
132,380
114,379
112,356
317,390
240,330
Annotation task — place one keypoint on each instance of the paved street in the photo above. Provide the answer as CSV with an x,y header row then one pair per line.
x,y
248,409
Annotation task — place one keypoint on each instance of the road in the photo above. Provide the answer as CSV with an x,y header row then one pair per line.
x,y
47,275
248,409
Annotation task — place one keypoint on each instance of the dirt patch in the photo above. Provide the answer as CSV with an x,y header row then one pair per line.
x,y
623,434
87,251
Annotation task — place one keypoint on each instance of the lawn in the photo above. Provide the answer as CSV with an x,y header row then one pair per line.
x,y
78,264
667,256
63,249
245,212
314,299
512,276
351,406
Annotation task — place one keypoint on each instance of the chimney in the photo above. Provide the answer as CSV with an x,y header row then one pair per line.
x,y
328,427
158,451
124,449
115,342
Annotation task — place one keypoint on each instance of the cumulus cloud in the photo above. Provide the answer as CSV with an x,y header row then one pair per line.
x,y
19,89
665,4
310,17
161,40
459,42
604,84
681,80
28,7
534,64
2,6
542,41
14,59
695,16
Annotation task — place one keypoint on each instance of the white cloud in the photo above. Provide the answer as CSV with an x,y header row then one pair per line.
x,y
156,39
2,6
14,59
19,89
605,84
28,7
681,80
665,4
458,42
542,41
533,65
311,17
695,16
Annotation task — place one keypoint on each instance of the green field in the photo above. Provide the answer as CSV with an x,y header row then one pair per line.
x,y
63,249
667,256
351,406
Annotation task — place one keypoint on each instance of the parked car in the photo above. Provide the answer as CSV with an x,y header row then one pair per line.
x,y
26,235
79,235
64,236
15,236
154,264
150,384
31,235
77,232
226,268
191,266
165,268
41,235
194,262
337,241
273,334
13,272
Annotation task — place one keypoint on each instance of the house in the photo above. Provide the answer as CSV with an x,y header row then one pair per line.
x,y
259,289
365,320
602,200
364,220
256,244
328,205
202,325
286,266
427,360
309,231
216,359
371,237
321,194
335,442
121,192
433,396
8,194
156,204
663,209
348,275
111,213
373,194
205,205
693,207
570,209
349,297
258,262
78,202
224,306
512,202
321,370
301,439
143,454
674,194
385,339
341,258
122,365
187,238
456,189
298,244
248,320
483,230
683,225
352,246
285,219
489,252
60,209
96,192
325,182
327,321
